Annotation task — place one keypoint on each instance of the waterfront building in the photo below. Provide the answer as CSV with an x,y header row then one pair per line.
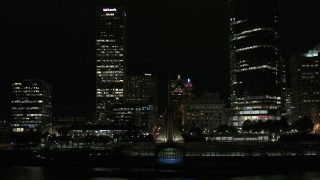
x,y
255,63
133,115
31,104
305,84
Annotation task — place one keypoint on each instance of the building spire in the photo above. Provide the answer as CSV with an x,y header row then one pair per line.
x,y
317,48
169,132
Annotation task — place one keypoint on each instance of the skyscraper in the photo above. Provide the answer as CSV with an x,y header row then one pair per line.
x,y
31,104
143,89
255,68
180,91
110,61
305,84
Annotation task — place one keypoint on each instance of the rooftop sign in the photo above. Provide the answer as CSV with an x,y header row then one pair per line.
x,y
109,9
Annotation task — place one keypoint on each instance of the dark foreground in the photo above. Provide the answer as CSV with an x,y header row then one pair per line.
x,y
86,164
105,173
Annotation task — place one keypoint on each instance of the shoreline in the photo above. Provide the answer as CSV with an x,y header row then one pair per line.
x,y
198,163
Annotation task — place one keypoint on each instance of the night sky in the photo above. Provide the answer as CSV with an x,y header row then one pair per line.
x,y
55,41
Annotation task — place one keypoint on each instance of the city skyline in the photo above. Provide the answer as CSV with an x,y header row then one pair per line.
x,y
47,40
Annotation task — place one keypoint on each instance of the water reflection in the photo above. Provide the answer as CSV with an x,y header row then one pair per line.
x,y
21,173
109,178
290,176
43,173
103,173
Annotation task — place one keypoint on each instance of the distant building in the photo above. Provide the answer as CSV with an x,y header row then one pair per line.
x,y
31,104
110,60
4,127
206,112
188,89
315,115
180,91
255,64
288,103
160,122
142,89
133,115
176,91
305,83
68,121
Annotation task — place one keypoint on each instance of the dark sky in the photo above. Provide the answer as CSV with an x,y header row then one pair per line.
x,y
55,41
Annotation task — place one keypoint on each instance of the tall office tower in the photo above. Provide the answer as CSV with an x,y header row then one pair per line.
x,y
181,91
31,104
176,91
188,89
255,68
110,61
142,90
287,95
305,84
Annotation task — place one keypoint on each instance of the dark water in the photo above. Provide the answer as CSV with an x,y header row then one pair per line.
x,y
102,173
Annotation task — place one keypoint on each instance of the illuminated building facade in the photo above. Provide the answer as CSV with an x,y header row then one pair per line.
x,y
176,91
180,91
188,89
31,104
68,121
287,94
142,89
255,63
133,115
305,84
110,61
206,112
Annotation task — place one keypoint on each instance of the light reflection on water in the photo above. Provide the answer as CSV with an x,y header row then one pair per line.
x,y
108,178
103,173
21,173
310,175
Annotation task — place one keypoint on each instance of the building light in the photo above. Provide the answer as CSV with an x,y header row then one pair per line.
x,y
109,9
